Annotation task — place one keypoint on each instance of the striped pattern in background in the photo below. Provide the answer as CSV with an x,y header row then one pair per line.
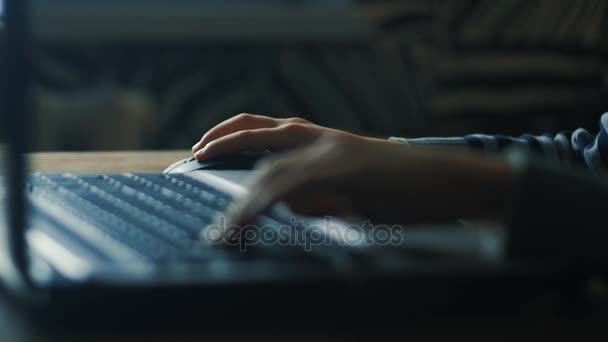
x,y
434,67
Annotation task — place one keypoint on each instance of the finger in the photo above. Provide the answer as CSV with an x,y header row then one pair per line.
x,y
235,124
276,138
277,180
268,189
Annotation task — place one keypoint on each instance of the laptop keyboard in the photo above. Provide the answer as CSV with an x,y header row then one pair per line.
x,y
154,217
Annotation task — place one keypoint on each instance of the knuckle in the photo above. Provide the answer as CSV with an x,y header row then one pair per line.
x,y
211,146
299,120
245,117
293,127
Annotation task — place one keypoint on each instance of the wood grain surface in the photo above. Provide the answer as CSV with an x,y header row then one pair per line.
x,y
105,161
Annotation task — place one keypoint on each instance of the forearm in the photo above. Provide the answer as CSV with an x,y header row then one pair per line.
x,y
459,185
550,210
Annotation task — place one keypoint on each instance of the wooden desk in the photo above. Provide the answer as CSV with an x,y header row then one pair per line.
x,y
108,162
535,326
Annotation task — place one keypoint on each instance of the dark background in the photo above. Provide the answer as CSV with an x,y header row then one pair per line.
x,y
442,67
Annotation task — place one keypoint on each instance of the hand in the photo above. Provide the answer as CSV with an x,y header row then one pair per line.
x,y
260,133
385,182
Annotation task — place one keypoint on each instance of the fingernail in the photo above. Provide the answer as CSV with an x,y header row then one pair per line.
x,y
198,155
196,146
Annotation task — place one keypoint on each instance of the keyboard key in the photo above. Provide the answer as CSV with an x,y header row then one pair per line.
x,y
163,217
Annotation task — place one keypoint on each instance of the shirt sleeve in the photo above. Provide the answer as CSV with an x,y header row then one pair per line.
x,y
577,146
557,208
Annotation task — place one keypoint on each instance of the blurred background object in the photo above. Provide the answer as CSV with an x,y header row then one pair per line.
x,y
378,67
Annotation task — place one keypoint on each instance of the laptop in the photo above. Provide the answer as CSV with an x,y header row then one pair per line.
x,y
125,245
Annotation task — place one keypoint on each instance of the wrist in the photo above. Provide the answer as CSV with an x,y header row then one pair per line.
x,y
386,142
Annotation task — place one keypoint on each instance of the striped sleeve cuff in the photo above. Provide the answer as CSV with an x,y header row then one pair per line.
x,y
448,142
